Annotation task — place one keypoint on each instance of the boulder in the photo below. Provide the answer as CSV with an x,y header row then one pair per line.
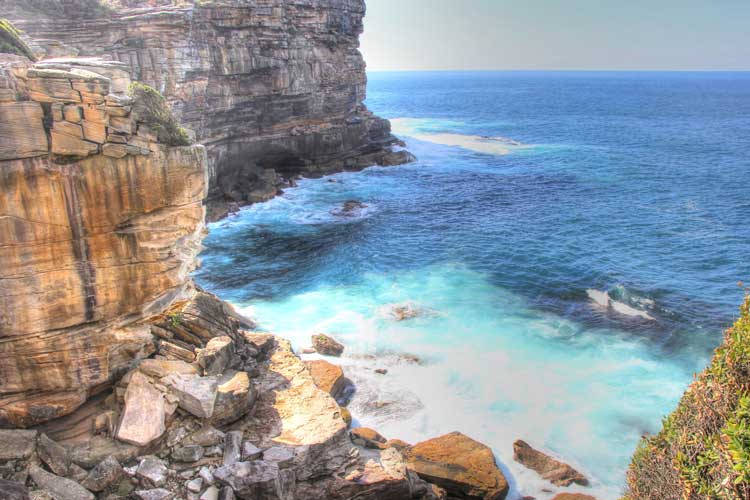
x,y
206,436
54,455
258,479
326,345
197,395
283,456
105,474
328,377
211,493
232,447
363,436
98,448
153,471
465,468
159,368
235,397
250,452
189,453
216,356
398,444
155,494
347,416
558,473
11,490
226,493
261,342
144,415
60,487
17,444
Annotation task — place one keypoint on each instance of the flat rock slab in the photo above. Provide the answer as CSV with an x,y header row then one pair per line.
x,y
328,377
17,444
558,473
60,487
197,395
11,490
145,412
465,468
235,397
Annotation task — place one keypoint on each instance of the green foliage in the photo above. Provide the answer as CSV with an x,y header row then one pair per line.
x,y
174,319
152,109
11,42
703,449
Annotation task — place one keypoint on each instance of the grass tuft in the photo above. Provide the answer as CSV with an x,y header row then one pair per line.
x,y
11,42
152,109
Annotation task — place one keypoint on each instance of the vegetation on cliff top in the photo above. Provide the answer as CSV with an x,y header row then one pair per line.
x,y
152,109
703,449
11,42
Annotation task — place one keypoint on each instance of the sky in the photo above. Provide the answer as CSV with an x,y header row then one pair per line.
x,y
557,34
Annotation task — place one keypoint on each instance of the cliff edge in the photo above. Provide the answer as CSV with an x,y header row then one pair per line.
x,y
274,89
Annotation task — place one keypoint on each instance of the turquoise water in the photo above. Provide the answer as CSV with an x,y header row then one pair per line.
x,y
570,242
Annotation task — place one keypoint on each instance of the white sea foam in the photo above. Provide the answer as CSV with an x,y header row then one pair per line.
x,y
603,300
412,127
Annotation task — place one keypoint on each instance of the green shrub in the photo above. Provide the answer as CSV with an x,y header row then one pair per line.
x,y
703,449
11,42
152,109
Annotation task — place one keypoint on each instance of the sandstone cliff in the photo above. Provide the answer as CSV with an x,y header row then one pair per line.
x,y
99,223
274,89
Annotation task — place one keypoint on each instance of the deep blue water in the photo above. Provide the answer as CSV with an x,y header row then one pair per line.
x,y
573,241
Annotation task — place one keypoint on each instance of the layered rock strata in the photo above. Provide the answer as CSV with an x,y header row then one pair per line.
x,y
100,224
273,89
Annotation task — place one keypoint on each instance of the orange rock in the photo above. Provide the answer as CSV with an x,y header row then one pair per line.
x,y
465,468
558,473
573,496
369,438
328,377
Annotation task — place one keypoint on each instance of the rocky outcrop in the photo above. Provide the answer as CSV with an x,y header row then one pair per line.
x,y
554,471
274,89
100,224
463,467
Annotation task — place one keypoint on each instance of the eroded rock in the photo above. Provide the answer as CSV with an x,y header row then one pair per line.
x,y
555,471
60,487
143,418
326,345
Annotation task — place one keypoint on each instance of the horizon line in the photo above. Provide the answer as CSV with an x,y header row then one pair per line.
x,y
568,70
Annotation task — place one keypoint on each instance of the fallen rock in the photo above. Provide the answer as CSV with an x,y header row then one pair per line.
x,y
197,395
232,447
11,490
326,345
250,452
206,436
235,397
155,494
211,493
153,470
189,453
465,468
328,377
282,456
381,371
195,485
226,493
558,473
261,342
98,448
159,368
572,496
363,436
398,444
258,479
54,455
17,444
144,415
60,487
216,356
347,416
107,473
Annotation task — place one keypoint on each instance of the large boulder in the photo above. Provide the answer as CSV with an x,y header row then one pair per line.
x,y
216,356
54,455
257,479
329,378
465,468
60,487
105,474
368,438
235,397
143,418
326,345
197,395
11,490
558,473
17,444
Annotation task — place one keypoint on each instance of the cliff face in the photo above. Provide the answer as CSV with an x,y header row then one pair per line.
x,y
100,224
703,449
273,88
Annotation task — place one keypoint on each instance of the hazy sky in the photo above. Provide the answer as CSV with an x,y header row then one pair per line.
x,y
557,34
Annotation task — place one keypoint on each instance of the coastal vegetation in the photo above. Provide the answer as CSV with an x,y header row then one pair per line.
x,y
11,41
153,110
703,449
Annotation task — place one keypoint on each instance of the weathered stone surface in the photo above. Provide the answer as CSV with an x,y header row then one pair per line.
x,y
234,398
60,487
143,419
189,453
326,345
369,438
258,479
211,493
463,467
206,436
54,455
17,444
106,473
197,395
232,447
12,490
283,456
159,368
277,88
328,377
153,470
558,473
250,452
22,130
155,494
216,356
572,496
98,448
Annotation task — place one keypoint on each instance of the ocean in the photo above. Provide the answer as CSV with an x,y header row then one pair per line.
x,y
569,243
